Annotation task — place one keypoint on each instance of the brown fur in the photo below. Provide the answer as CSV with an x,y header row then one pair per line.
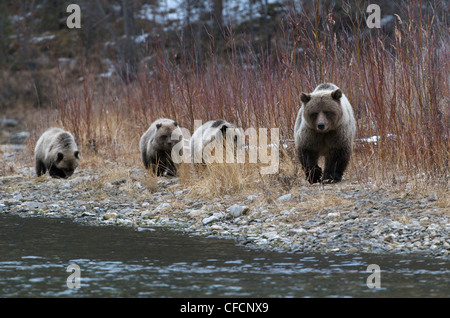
x,y
156,146
325,126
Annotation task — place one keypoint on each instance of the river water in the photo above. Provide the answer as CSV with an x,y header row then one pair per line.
x,y
121,262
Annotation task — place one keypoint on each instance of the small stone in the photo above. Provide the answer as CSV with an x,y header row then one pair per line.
x,y
286,197
210,219
162,206
195,213
433,197
351,216
237,210
119,181
333,215
213,218
273,235
147,214
83,214
216,227
110,215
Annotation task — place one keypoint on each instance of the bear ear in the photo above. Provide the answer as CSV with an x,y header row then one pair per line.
x,y
59,157
305,97
158,126
224,129
337,94
77,154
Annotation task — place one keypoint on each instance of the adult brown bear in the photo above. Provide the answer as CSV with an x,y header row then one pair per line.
x,y
325,126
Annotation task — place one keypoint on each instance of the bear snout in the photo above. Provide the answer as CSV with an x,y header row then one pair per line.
x,y
321,126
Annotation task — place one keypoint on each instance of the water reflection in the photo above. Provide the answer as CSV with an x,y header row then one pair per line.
x,y
120,262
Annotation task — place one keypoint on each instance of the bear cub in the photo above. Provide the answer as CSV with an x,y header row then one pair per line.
x,y
212,135
325,126
57,153
156,146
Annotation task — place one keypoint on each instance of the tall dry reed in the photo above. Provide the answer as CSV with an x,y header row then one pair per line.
x,y
398,86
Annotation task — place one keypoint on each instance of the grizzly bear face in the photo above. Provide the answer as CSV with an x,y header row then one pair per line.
x,y
165,137
322,112
65,164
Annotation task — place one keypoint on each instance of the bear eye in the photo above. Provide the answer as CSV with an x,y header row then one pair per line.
x,y
314,115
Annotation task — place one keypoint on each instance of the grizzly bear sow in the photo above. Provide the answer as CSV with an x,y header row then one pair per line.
x,y
57,152
325,126
156,146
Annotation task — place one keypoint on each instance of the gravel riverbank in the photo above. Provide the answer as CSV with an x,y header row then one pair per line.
x,y
340,218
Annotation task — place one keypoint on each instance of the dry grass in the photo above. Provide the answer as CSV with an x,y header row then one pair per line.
x,y
398,87
219,180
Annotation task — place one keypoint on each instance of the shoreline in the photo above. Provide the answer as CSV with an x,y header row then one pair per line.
x,y
339,218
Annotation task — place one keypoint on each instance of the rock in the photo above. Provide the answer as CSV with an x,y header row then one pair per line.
x,y
110,215
119,181
237,210
333,215
83,214
162,206
30,205
273,235
213,218
8,122
285,198
196,213
433,197
147,214
216,227
351,216
19,138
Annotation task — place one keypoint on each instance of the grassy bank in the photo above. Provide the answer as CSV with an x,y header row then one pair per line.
x,y
397,85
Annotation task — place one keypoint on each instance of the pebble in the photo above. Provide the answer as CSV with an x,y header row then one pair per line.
x,y
237,210
196,213
286,197
372,221
110,215
213,218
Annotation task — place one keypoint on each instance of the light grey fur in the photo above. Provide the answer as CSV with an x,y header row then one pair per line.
x,y
206,134
57,153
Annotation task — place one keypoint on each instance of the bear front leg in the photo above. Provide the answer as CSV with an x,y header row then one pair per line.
x,y
40,168
171,169
335,164
308,160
